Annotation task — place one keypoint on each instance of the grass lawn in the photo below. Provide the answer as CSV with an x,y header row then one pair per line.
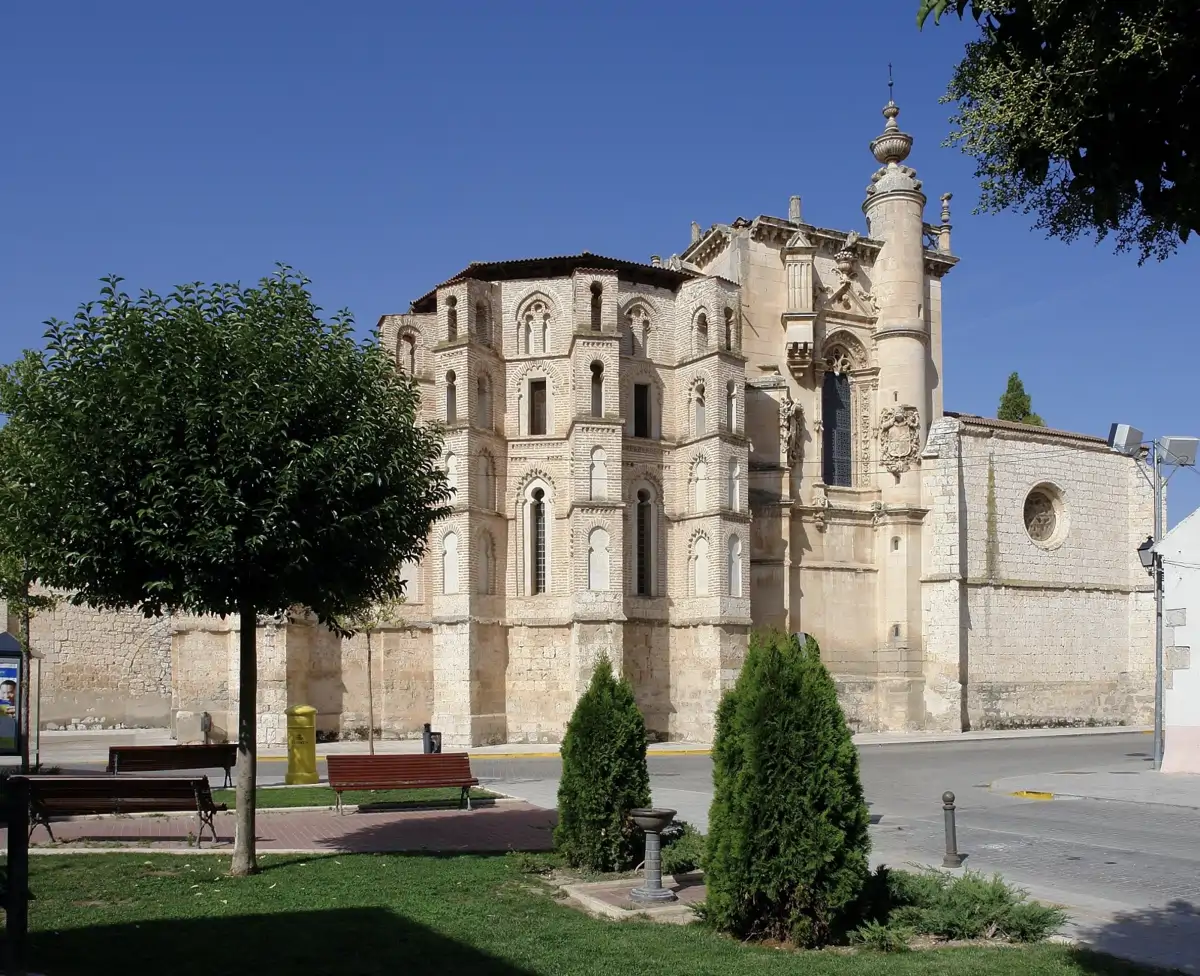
x,y
370,915
273,797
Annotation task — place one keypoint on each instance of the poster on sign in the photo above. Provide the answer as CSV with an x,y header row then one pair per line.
x,y
10,682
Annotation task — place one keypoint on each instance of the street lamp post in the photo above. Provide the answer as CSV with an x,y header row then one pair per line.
x,y
1180,452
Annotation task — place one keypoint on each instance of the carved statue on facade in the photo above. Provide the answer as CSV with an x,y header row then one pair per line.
x,y
899,437
791,426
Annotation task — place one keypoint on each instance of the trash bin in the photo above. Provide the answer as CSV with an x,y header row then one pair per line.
x,y
430,741
302,744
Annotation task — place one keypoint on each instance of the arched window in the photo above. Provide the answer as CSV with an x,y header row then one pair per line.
x,y
483,402
487,482
408,355
485,581
837,457
452,471
700,567
598,474
728,328
644,545
733,488
598,559
537,328
700,486
483,322
450,563
537,541
597,389
701,331
645,411
451,318
735,566
698,410
451,399
731,406
637,321
597,292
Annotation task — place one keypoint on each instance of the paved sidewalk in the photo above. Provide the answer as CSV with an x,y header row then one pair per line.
x,y
503,826
67,747
1126,785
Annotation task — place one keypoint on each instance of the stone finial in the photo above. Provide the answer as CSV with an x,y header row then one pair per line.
x,y
656,260
893,146
794,209
695,232
946,198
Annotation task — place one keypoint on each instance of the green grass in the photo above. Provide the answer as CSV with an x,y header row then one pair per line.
x,y
275,797
370,915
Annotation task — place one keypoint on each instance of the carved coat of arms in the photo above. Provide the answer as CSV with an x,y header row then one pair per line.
x,y
899,437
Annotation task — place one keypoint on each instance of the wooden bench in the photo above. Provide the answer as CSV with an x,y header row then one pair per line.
x,y
392,772
76,796
150,759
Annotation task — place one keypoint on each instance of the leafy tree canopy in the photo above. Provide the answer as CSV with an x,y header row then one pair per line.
x,y
1017,405
1082,114
213,450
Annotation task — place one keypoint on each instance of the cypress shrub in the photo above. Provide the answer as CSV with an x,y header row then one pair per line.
x,y
787,843
604,776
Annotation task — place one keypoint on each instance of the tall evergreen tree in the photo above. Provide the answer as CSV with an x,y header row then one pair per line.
x,y
604,776
787,843
1017,405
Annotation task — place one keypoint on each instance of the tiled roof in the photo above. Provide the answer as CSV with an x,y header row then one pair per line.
x,y
558,267
992,423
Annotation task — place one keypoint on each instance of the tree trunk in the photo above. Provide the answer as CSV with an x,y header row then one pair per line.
x,y
26,675
244,854
370,700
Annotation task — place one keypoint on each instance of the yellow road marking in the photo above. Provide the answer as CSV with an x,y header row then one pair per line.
x,y
1033,795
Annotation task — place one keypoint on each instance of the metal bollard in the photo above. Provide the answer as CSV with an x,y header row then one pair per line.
x,y
952,858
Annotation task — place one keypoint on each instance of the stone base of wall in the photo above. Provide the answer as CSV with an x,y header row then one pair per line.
x,y
881,704
1059,704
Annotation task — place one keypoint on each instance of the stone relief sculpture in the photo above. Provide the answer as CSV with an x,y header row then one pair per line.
x,y
899,437
791,426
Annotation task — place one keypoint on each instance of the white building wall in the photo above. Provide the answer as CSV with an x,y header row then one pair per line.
x,y
1180,552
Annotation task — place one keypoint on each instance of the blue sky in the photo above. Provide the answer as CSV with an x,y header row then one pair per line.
x,y
380,147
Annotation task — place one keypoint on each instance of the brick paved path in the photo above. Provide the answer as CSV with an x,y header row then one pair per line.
x,y
502,827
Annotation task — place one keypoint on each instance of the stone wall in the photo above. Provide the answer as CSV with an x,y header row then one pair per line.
x,y
102,669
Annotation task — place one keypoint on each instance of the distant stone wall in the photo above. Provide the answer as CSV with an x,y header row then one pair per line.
x,y
102,669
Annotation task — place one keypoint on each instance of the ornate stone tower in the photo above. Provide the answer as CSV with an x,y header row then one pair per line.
x,y
894,210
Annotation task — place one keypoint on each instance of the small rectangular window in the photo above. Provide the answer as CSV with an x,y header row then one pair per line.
x,y
537,406
641,410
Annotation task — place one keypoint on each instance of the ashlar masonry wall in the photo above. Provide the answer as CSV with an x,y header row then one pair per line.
x,y
1036,610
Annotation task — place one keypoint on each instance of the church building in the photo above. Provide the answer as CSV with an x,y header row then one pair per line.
x,y
652,459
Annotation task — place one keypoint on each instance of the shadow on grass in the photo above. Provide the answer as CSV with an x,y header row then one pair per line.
x,y
399,806
348,942
1168,937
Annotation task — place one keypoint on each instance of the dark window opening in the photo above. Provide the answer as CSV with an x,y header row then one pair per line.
x,y
644,512
597,389
641,410
597,291
537,406
837,456
538,513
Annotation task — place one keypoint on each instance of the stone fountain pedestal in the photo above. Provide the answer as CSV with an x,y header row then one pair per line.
x,y
653,822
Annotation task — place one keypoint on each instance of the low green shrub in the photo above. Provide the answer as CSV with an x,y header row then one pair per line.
x,y
683,848
883,938
970,906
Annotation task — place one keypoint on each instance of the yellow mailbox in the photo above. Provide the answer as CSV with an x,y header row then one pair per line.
x,y
302,744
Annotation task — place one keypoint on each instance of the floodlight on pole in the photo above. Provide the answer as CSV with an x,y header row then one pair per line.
x,y
1178,452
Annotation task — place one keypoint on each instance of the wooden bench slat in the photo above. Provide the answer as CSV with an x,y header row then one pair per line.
x,y
125,759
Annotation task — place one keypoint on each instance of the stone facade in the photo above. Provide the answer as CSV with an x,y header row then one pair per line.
x,y
651,458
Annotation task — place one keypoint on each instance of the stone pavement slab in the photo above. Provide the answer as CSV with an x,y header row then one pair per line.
x,y
1126,785
499,827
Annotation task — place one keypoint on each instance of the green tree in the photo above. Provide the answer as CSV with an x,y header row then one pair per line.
x,y
221,450
1017,405
369,622
787,842
1081,114
604,776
